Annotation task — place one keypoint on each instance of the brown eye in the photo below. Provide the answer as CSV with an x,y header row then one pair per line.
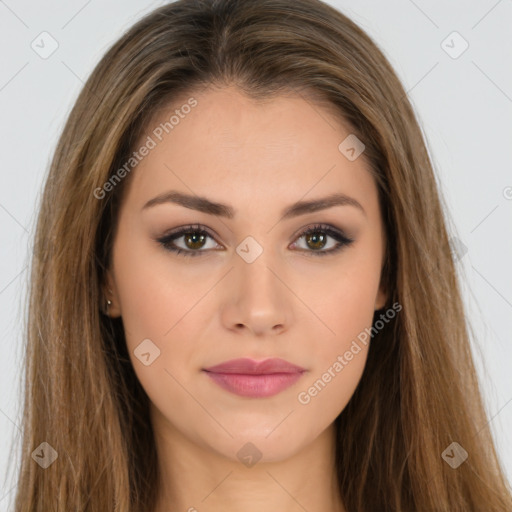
x,y
194,241
316,239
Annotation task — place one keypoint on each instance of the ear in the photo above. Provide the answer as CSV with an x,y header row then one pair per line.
x,y
382,297
110,293
382,294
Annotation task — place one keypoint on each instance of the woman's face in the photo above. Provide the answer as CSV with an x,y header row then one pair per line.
x,y
252,286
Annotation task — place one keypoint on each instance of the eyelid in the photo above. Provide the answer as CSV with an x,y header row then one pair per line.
x,y
189,228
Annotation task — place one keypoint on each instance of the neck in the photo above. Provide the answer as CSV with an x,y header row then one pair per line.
x,y
195,478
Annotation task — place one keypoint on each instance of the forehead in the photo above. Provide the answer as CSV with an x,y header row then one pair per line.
x,y
234,147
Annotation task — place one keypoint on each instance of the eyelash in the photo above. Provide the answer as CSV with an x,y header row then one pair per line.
x,y
166,241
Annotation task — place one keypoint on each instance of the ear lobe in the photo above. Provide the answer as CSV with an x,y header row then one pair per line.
x,y
112,309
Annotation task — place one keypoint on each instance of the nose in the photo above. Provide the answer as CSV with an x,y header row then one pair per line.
x,y
258,300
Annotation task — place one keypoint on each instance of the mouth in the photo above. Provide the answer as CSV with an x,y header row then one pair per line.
x,y
253,379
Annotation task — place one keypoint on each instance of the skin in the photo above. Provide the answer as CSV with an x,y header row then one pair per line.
x,y
288,303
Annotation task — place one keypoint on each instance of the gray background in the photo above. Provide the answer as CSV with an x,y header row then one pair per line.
x,y
465,110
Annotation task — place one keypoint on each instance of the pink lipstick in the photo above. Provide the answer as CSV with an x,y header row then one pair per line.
x,y
255,379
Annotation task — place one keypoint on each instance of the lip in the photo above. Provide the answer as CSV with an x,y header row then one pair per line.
x,y
255,379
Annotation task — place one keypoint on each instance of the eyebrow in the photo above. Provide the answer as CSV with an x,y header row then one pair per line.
x,y
202,204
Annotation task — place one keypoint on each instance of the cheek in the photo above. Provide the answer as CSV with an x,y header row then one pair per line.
x,y
163,305
350,310
327,392
154,293
341,354
347,302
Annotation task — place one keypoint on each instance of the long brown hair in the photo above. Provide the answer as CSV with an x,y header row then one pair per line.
x,y
419,391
